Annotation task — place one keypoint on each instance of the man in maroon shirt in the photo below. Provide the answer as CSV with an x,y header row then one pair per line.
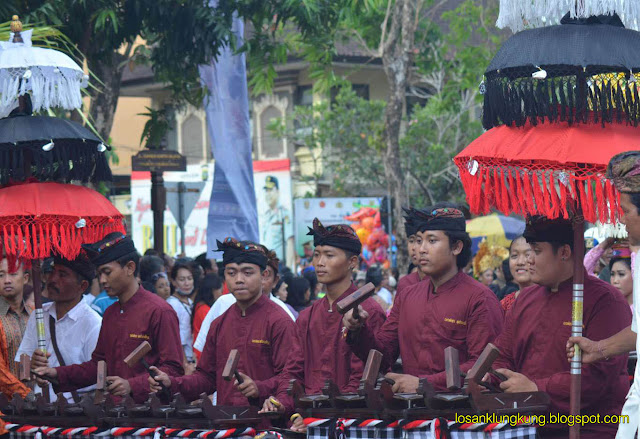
x,y
448,309
417,275
322,353
258,328
533,343
137,316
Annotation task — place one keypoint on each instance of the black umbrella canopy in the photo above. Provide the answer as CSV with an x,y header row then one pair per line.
x,y
565,73
50,149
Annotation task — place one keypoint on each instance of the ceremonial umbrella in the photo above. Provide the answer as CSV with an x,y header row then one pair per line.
x,y
49,148
553,170
38,219
51,77
521,14
496,229
569,72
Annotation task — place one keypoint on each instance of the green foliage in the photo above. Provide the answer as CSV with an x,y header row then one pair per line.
x,y
183,34
48,37
448,69
156,127
112,155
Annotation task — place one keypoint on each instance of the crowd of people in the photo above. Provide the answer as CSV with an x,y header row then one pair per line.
x,y
103,304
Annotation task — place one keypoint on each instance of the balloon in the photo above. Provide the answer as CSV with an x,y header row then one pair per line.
x,y
381,254
366,254
372,241
386,264
363,235
368,223
363,212
384,240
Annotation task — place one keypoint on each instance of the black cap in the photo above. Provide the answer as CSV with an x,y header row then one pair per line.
x,y
80,265
110,248
271,182
542,229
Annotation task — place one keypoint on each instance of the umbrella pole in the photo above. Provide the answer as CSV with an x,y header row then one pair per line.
x,y
576,321
37,298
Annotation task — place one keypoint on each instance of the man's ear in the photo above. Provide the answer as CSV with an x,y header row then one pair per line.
x,y
353,262
565,252
457,248
131,268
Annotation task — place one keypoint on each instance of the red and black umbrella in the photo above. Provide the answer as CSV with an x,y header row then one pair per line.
x,y
581,71
554,169
38,219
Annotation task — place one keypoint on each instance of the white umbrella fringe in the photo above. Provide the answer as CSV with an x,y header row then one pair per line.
x,y
522,14
51,77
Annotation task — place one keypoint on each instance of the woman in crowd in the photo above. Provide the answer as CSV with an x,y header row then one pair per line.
x,y
281,292
183,282
485,264
160,285
510,285
519,264
299,293
208,292
621,272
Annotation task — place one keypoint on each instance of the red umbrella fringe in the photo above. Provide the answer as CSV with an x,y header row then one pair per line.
x,y
538,192
23,238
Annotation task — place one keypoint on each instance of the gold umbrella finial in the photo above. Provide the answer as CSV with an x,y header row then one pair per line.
x,y
16,24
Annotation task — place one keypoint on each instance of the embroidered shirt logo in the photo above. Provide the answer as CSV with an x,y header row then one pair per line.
x,y
456,322
139,336
265,342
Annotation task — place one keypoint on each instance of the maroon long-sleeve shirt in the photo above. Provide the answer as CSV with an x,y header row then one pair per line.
x,y
322,352
408,281
144,317
534,341
463,313
265,338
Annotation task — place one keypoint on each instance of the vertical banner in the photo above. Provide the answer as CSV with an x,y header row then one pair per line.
x,y
232,210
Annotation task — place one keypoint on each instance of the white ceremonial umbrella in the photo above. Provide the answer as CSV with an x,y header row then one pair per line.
x,y
525,14
51,78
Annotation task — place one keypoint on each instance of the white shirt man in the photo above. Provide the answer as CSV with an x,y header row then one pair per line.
x,y
76,335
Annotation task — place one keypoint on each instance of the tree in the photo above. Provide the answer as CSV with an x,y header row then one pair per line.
x,y
367,141
344,135
180,36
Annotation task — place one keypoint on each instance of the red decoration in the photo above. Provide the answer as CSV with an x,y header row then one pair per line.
x,y
37,219
538,170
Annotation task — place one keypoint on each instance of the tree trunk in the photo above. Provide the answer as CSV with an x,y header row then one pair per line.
x,y
397,60
105,101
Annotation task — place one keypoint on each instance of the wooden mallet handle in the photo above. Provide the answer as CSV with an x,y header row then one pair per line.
x,y
137,356
354,299
101,381
452,368
24,369
231,370
231,367
483,363
372,368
